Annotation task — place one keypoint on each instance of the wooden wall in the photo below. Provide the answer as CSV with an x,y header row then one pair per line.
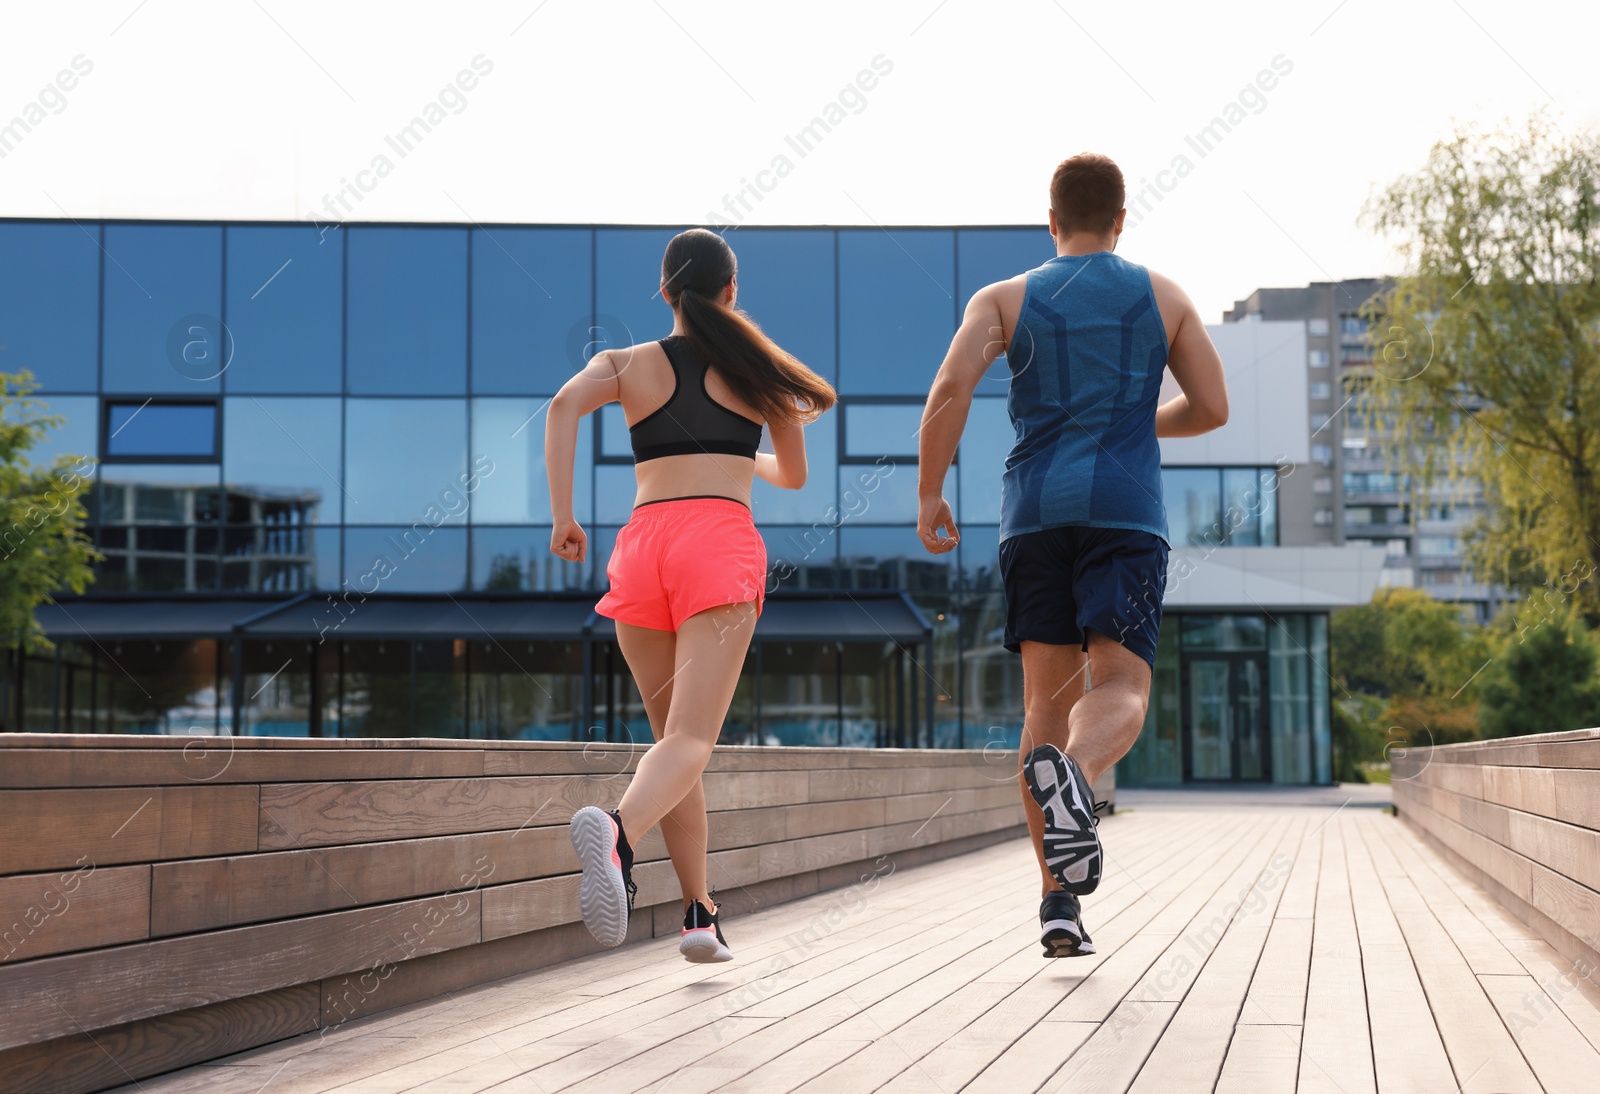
x,y
169,900
1521,817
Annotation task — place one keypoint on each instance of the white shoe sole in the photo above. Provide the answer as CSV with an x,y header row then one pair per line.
x,y
602,896
703,948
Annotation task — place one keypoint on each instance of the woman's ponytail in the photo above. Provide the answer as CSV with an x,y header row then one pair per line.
x,y
697,266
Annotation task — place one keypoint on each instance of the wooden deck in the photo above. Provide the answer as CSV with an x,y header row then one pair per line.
x,y
1290,948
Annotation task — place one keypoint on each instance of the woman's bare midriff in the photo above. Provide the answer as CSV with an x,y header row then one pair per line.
x,y
695,475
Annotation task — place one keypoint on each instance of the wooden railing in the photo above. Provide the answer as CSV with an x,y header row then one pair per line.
x,y
169,900
1521,817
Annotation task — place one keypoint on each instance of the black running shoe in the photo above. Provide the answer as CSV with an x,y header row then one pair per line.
x,y
1061,927
702,939
1071,846
605,894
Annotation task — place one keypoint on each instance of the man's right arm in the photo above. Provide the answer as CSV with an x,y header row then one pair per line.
x,y
1195,364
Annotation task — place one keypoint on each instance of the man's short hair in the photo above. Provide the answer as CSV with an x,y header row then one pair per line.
x,y
1086,193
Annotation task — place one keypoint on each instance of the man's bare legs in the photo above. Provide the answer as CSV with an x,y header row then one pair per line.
x,y
1096,728
687,691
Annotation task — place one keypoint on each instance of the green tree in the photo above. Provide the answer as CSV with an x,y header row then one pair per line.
x,y
1543,681
1487,349
42,546
1402,643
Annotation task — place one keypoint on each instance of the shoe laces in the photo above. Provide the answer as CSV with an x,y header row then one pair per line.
x,y
633,888
1101,808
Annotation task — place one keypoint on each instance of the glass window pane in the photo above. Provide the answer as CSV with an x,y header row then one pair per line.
x,y
1157,754
813,502
614,490
412,559
276,698
893,558
1224,632
882,429
628,304
530,307
1289,674
786,285
158,687
163,301
519,560
987,255
376,689
1193,498
1250,507
282,455
142,430
510,434
50,304
526,691
406,461
1321,743
897,308
408,311
159,527
285,309
440,697
614,440
78,434
885,492
799,694
985,444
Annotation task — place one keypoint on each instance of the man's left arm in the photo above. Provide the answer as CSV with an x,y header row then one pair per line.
x,y
976,346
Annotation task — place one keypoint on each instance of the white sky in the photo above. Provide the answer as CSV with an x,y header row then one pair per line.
x,y
635,111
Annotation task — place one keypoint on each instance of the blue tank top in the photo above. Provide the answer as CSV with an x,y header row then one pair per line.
x,y
1086,364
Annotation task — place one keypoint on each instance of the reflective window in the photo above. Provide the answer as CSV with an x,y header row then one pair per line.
x,y
526,691
815,500
885,492
984,256
897,308
406,461
147,430
628,304
77,435
519,560
280,459
614,490
530,307
786,284
615,444
510,434
892,558
985,443
285,309
1224,632
50,304
882,429
163,303
410,559
980,557
407,293
159,527
1250,497
1193,498
376,691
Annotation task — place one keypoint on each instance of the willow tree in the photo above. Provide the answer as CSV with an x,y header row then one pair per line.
x,y
43,549
1487,349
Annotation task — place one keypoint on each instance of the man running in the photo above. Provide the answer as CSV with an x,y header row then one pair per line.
x,y
1083,550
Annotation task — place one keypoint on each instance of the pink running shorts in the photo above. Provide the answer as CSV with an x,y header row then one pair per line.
x,y
681,556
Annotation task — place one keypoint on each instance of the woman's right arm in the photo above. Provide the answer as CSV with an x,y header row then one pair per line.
x,y
785,465
585,393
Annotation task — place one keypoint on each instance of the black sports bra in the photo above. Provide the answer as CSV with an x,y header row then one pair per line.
x,y
691,421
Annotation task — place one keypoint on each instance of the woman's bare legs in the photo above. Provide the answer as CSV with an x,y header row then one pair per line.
x,y
651,657
708,652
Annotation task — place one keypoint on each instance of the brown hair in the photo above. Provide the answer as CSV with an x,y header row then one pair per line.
x,y
697,266
1086,193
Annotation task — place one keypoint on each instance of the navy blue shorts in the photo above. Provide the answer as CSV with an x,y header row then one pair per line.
x,y
1062,583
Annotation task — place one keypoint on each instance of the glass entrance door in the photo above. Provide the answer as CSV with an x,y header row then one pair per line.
x,y
1226,724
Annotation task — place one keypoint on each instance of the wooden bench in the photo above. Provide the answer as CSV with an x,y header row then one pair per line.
x,y
168,900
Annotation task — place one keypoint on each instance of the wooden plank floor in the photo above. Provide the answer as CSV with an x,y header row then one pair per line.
x,y
1281,949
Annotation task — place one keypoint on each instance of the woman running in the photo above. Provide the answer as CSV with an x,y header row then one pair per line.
x,y
689,570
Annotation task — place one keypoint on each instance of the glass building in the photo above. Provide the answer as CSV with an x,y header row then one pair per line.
x,y
321,503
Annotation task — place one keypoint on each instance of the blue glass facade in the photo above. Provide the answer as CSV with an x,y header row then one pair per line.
x,y
355,381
